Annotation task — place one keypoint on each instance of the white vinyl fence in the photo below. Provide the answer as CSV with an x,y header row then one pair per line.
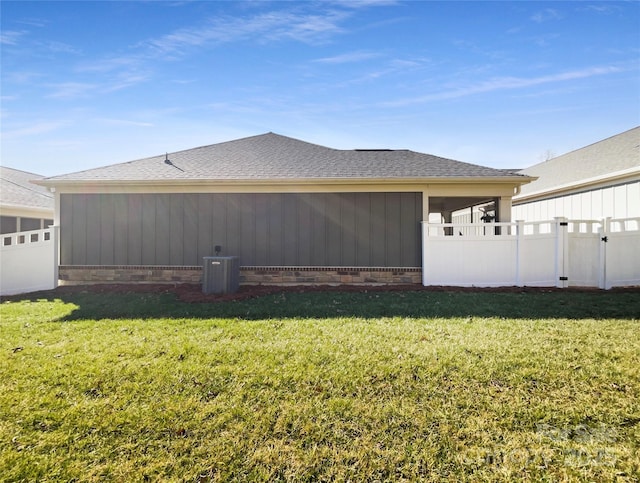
x,y
557,253
28,261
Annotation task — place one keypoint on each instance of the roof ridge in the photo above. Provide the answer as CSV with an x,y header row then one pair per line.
x,y
21,179
33,189
235,141
20,171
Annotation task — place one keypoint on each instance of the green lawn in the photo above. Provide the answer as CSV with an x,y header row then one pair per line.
x,y
427,386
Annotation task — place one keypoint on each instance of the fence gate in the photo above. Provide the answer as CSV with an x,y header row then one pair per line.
x,y
584,253
620,245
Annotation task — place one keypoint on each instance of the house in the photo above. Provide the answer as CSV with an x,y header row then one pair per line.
x,y
292,211
24,206
591,183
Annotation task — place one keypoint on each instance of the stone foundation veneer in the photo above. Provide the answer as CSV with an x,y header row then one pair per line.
x,y
87,274
84,274
328,275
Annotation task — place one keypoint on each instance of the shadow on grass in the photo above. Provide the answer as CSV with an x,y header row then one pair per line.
x,y
514,303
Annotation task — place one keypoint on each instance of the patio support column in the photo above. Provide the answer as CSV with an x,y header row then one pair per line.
x,y
56,235
425,205
504,209
56,206
424,228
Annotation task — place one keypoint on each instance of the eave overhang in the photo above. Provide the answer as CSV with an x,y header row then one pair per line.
x,y
286,184
7,209
596,181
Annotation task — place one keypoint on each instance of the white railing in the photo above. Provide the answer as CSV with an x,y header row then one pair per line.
x,y
28,261
623,224
560,252
529,227
584,226
470,229
25,237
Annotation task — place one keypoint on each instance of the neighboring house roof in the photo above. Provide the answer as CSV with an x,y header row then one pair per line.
x,y
272,157
17,191
611,159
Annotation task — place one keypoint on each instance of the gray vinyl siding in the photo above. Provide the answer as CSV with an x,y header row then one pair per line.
x,y
105,246
93,233
8,224
134,230
28,224
162,232
148,246
122,226
281,229
79,231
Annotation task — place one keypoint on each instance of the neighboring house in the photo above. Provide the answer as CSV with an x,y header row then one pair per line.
x,y
598,181
294,212
24,206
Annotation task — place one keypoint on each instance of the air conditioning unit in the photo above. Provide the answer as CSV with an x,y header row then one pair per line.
x,y
221,275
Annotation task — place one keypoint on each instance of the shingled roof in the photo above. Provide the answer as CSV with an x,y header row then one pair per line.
x,y
272,157
17,191
607,158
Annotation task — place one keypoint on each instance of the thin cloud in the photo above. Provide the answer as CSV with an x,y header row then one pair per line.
x,y
72,90
125,80
546,15
506,83
125,122
602,9
33,22
23,77
36,128
268,27
11,37
77,90
545,40
59,47
365,3
109,64
116,73
386,68
128,70
348,58
407,64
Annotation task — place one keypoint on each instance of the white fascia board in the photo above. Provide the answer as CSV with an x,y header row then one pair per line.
x,y
25,211
62,184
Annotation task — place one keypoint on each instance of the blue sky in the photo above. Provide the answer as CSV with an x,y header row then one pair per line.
x,y
502,84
